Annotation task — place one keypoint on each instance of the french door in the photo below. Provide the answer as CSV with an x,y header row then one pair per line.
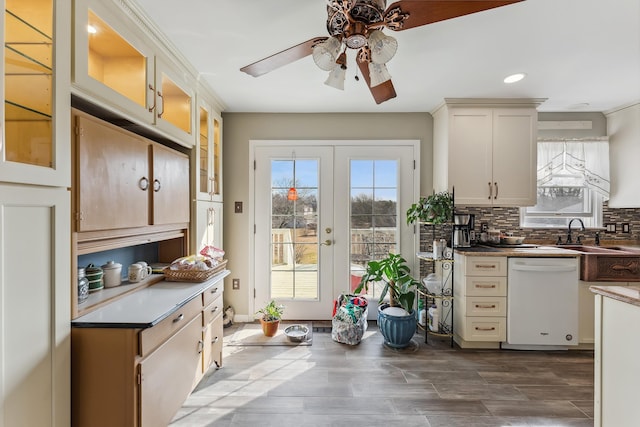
x,y
322,211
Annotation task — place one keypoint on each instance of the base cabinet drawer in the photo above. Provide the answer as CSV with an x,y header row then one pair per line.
x,y
152,337
484,329
486,266
486,286
484,306
167,375
212,356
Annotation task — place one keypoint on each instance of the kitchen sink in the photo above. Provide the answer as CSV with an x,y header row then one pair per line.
x,y
607,263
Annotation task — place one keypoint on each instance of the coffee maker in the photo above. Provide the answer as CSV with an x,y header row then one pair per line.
x,y
462,226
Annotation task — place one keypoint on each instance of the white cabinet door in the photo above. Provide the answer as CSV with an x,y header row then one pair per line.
x,y
514,156
35,256
470,155
208,230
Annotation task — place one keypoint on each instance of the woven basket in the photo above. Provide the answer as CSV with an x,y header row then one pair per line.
x,y
192,275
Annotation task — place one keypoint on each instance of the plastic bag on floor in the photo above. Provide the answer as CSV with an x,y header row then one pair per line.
x,y
349,321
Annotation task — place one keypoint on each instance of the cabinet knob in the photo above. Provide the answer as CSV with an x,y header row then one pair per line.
x,y
143,183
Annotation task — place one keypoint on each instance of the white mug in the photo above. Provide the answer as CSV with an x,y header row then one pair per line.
x,y
146,269
136,273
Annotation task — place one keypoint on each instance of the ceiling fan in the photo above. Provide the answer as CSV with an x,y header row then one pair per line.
x,y
358,24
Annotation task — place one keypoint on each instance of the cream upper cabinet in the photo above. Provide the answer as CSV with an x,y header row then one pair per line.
x,y
209,154
208,226
34,130
486,151
117,66
623,128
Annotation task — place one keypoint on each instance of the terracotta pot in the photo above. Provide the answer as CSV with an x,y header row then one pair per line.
x,y
270,328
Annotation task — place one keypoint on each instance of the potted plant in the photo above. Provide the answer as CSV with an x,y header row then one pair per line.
x,y
270,319
434,209
396,319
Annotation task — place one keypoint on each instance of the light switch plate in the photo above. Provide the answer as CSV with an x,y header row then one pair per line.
x,y
626,227
237,206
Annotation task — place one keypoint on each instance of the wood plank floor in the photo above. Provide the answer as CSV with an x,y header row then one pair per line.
x,y
332,384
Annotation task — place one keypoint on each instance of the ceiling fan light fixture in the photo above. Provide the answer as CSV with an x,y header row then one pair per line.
x,y
337,77
383,47
325,53
378,74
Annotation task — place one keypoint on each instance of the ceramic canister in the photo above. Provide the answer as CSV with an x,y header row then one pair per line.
x,y
112,274
94,275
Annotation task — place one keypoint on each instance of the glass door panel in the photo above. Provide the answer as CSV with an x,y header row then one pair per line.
x,y
203,166
217,157
114,62
174,104
28,80
294,245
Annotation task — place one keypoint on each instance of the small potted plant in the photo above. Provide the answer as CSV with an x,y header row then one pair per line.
x,y
270,317
397,325
434,209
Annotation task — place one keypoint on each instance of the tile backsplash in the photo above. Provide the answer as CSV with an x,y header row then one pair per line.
x,y
508,220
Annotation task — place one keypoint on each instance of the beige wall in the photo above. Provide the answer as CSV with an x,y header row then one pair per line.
x,y
240,128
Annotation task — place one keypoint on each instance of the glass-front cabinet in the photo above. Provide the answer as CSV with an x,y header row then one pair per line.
x,y
209,160
117,66
34,84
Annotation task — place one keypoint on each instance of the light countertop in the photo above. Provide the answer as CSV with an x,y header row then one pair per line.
x,y
146,307
535,252
628,294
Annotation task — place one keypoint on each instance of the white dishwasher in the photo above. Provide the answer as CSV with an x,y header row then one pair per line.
x,y
542,303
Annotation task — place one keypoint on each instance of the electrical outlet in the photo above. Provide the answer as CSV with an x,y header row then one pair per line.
x,y
235,284
484,227
238,207
610,227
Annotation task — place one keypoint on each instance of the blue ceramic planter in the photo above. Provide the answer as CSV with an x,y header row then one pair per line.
x,y
397,331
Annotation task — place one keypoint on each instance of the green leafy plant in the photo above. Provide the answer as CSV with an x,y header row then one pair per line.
x,y
434,209
394,272
271,311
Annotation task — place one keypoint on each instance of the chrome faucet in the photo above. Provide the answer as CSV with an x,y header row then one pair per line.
x,y
569,239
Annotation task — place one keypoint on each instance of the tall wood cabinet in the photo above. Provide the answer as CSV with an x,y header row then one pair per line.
x,y
486,149
35,173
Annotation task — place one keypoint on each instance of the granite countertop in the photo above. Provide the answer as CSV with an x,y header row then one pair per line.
x,y
628,294
146,307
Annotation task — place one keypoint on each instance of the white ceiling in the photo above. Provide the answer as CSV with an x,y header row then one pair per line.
x,y
583,55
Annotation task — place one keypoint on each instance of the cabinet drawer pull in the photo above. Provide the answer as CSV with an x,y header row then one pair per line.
x,y
486,286
215,340
495,184
214,309
200,346
214,290
143,183
490,266
493,328
153,96
179,318
485,306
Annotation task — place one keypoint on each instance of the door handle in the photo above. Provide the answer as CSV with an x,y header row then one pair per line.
x,y
326,243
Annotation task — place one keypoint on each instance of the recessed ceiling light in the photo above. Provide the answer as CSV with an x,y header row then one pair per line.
x,y
514,78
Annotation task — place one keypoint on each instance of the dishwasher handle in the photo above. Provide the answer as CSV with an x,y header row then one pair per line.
x,y
544,268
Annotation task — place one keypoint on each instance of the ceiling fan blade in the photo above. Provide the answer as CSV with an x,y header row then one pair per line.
x,y
382,92
423,12
279,59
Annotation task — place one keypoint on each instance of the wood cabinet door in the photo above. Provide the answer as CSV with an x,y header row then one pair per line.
x,y
514,156
470,146
167,375
170,185
113,178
